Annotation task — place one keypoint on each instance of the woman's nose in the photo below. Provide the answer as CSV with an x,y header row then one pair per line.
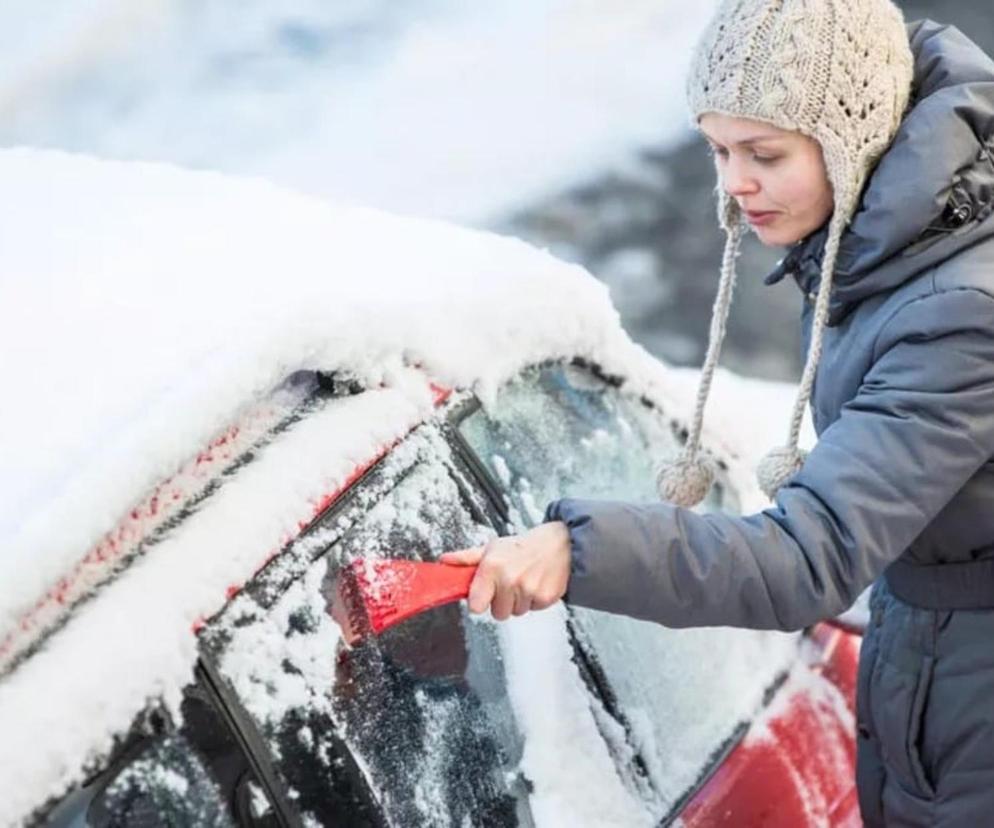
x,y
736,181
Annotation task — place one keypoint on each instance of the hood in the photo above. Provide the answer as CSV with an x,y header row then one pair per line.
x,y
932,193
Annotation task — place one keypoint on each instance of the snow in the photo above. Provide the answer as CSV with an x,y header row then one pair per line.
x,y
134,643
135,327
435,107
585,789
143,310
663,680
266,693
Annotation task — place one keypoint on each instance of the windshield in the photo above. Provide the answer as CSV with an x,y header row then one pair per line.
x,y
559,431
412,726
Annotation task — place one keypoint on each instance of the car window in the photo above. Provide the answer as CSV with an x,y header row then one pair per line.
x,y
163,776
166,784
560,431
414,726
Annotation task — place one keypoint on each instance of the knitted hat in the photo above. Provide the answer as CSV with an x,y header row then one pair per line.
x,y
838,71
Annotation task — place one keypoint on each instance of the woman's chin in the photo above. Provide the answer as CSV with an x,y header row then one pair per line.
x,y
767,236
773,236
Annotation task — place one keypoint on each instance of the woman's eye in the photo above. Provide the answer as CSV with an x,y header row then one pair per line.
x,y
765,159
719,152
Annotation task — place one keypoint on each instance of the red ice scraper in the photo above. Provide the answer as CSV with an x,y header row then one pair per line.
x,y
373,594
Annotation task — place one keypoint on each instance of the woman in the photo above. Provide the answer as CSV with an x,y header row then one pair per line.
x,y
870,149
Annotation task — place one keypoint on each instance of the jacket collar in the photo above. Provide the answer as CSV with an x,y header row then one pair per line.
x,y
932,193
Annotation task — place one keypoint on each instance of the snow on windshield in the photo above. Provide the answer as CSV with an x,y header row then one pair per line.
x,y
421,708
683,692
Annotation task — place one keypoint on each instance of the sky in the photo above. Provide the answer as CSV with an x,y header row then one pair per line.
x,y
433,107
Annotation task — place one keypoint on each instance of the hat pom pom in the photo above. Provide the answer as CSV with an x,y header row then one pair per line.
x,y
685,481
777,467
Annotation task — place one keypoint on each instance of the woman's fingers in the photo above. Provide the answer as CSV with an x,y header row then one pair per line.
x,y
462,557
518,574
481,591
522,602
503,603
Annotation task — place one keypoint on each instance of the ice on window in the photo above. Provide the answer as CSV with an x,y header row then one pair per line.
x,y
414,724
680,694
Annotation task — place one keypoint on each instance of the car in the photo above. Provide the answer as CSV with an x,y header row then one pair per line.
x,y
222,394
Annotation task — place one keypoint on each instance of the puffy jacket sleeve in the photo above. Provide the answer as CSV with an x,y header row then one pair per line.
x,y
919,428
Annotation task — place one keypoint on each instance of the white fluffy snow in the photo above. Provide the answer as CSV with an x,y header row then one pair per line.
x,y
143,309
134,643
584,789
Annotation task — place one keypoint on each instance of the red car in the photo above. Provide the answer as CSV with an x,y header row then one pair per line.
x,y
185,669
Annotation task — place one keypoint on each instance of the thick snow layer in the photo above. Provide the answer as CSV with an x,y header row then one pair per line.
x,y
143,306
440,107
143,309
751,414
134,644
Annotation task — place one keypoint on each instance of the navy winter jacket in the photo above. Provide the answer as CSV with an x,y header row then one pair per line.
x,y
900,483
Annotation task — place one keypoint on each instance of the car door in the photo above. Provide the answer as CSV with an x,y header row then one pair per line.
x,y
683,697
411,728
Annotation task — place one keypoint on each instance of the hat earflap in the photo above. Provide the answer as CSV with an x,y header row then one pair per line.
x,y
686,480
780,464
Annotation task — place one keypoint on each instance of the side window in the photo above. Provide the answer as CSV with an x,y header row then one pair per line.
x,y
161,775
409,728
165,784
560,431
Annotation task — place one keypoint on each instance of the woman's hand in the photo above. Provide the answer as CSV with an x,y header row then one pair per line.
x,y
518,573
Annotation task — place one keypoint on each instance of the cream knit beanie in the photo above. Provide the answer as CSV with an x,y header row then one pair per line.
x,y
838,71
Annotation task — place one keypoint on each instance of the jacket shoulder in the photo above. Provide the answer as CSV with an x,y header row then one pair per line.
x,y
970,269
956,296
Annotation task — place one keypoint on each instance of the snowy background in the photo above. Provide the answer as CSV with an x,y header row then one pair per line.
x,y
561,121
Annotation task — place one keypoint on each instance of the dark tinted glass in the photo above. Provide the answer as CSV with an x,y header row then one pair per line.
x,y
160,776
412,727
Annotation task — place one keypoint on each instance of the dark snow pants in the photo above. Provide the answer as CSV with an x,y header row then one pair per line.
x,y
925,716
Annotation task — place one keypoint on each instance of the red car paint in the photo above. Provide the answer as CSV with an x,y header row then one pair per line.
x,y
440,395
140,522
98,564
801,769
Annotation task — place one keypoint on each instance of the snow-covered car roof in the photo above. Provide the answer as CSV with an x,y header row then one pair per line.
x,y
143,310
143,307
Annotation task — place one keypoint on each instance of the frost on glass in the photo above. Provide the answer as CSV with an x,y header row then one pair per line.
x,y
164,785
413,725
560,431
190,773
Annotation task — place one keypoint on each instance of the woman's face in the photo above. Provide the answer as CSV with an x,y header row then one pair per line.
x,y
777,177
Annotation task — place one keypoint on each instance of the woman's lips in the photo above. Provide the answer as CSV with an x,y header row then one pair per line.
x,y
759,218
